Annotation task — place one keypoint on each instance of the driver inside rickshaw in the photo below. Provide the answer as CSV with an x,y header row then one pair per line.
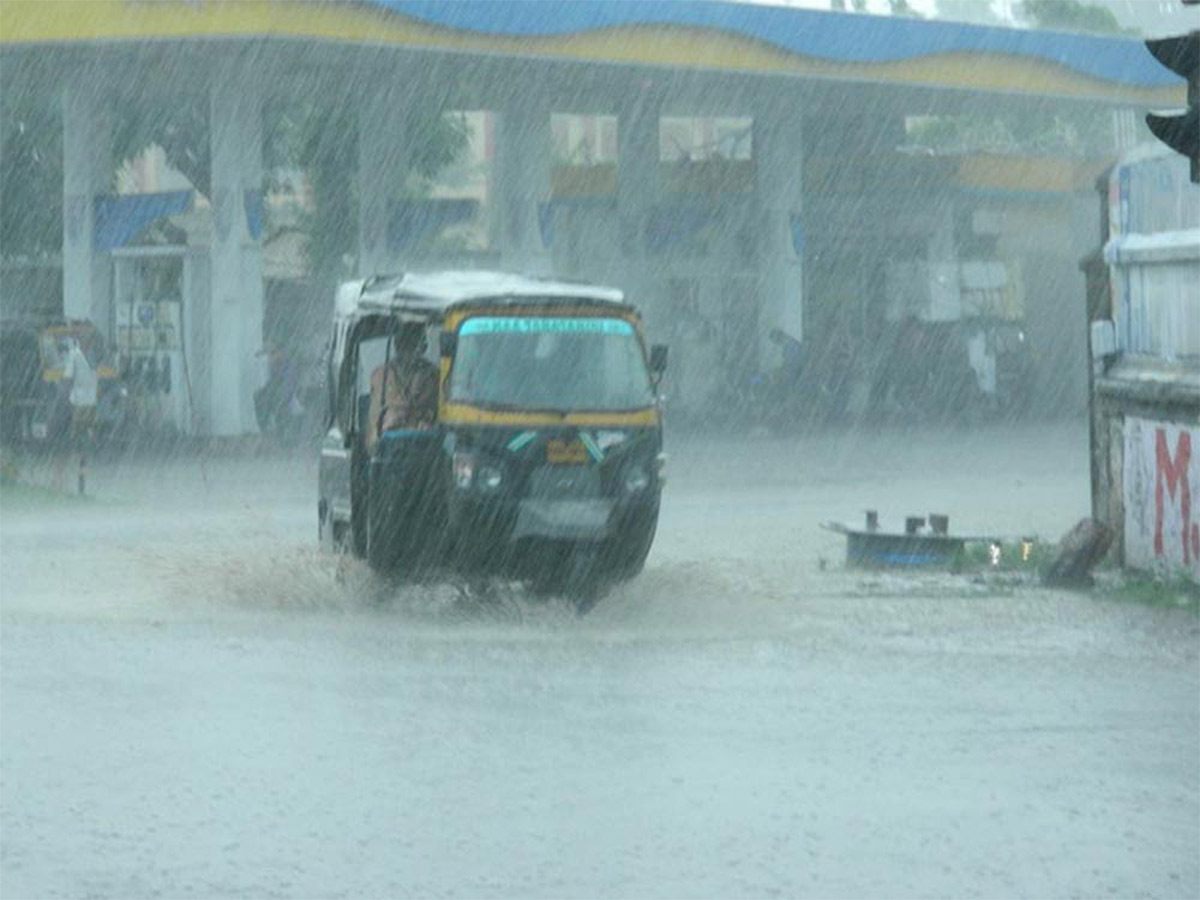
x,y
404,390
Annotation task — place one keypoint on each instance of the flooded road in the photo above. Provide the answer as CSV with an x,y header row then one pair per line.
x,y
198,703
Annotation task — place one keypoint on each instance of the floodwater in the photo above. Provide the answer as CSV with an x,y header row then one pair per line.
x,y
197,703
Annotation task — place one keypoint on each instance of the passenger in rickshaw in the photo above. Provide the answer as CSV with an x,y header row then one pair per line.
x,y
404,390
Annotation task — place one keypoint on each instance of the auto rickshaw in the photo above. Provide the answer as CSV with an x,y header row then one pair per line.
x,y
20,378
52,412
545,462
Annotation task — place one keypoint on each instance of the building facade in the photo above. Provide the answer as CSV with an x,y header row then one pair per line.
x,y
761,178
1145,347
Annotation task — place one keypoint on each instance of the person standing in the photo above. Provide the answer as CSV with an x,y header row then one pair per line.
x,y
787,382
276,402
80,374
82,392
791,351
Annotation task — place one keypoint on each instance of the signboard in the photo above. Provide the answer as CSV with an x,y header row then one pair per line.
x,y
1162,496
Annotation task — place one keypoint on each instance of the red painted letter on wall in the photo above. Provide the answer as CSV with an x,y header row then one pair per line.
x,y
1174,472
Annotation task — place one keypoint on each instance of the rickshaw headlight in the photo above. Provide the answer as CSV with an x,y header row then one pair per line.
x,y
464,470
636,480
489,478
471,472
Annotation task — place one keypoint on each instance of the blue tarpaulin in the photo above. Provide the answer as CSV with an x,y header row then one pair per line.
x,y
122,217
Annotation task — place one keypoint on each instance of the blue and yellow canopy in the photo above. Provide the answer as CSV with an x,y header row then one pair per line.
x,y
721,36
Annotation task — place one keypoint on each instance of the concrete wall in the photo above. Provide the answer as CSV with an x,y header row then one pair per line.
x,y
1146,392
1161,478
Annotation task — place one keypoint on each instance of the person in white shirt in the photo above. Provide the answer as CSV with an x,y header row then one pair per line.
x,y
79,373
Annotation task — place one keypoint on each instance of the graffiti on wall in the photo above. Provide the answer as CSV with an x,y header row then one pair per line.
x,y
1162,496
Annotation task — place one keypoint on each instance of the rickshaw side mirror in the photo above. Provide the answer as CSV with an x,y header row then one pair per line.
x,y
447,343
658,359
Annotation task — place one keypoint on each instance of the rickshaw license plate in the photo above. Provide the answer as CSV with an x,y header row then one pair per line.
x,y
566,453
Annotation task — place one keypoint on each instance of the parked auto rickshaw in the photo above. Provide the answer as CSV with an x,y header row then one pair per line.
x,y
20,378
51,411
545,460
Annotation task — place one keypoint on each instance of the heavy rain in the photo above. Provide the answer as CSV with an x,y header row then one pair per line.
x,y
605,449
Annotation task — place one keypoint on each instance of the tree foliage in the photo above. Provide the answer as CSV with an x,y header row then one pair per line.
x,y
322,140
324,146
31,179
979,12
318,138
179,125
1072,15
1079,134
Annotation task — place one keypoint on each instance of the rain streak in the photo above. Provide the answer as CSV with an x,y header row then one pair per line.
x,y
498,448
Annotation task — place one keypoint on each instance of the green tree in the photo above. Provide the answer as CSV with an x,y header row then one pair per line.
x,y
1077,134
179,125
31,177
1072,15
323,141
979,12
320,139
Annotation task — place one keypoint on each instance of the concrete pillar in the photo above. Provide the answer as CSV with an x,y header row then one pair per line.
x,y
237,366
779,156
945,295
523,187
941,246
87,171
197,338
382,148
638,189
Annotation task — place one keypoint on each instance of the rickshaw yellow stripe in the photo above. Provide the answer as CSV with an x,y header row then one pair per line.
x,y
462,414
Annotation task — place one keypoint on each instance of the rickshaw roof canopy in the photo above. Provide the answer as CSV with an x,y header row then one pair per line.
x,y
427,295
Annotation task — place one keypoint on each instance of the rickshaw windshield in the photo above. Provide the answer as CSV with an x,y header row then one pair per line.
x,y
550,363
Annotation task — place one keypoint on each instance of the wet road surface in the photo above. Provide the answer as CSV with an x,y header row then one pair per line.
x,y
195,702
